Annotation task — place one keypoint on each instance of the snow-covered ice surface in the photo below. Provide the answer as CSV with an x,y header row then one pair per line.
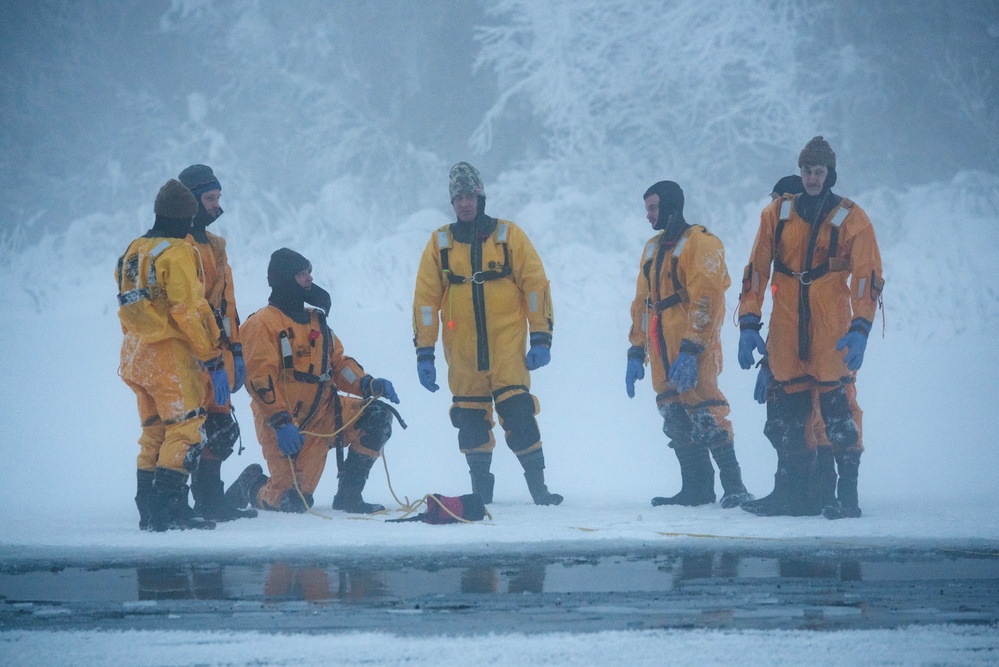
x,y
928,390
940,645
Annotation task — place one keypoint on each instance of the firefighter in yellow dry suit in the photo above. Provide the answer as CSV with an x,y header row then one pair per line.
x,y
221,429
170,337
676,320
481,279
827,286
296,370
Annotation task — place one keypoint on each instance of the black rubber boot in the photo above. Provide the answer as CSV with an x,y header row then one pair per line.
x,y
824,478
243,492
841,429
209,499
168,508
143,492
800,497
848,504
697,478
734,492
775,429
775,503
482,480
534,473
351,483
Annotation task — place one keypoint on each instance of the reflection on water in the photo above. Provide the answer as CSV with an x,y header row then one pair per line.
x,y
373,581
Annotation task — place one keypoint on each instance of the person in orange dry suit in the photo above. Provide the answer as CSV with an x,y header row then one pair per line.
x,y
221,429
170,337
823,487
296,369
481,278
676,322
827,286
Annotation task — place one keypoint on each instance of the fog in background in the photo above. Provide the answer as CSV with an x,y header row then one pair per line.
x,y
332,127
345,116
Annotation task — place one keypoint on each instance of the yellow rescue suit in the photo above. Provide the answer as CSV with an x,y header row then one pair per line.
x,y
168,327
487,291
296,369
680,295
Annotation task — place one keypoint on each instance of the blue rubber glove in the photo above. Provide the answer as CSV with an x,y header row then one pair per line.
x,y
683,373
220,380
425,368
289,439
635,370
380,387
541,351
220,385
538,356
762,389
239,367
855,342
750,340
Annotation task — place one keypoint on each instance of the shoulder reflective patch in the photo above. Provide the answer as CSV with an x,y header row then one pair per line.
x,y
533,300
650,248
160,247
443,240
679,246
785,209
502,233
645,321
756,281
860,288
840,216
427,315
349,375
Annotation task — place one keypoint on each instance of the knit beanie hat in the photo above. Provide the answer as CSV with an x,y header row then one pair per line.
x,y
284,265
199,178
789,185
175,201
817,152
464,178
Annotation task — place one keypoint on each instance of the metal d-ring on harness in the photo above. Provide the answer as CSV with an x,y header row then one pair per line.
x,y
478,277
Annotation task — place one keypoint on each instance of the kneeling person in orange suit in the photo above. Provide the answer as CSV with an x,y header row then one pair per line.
x,y
296,369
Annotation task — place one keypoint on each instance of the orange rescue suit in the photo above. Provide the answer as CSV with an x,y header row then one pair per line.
x,y
221,297
297,368
680,294
848,286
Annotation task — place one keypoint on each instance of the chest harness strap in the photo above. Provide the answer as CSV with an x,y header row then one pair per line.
x,y
679,295
479,277
326,372
809,275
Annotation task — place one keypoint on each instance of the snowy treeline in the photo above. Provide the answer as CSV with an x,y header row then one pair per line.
x,y
333,124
